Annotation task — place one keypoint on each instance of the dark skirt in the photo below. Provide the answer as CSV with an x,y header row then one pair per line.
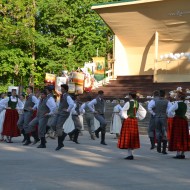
x,y
129,136
179,139
10,123
169,128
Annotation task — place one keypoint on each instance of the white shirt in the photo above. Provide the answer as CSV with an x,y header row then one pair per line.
x,y
82,108
151,105
4,103
173,107
117,108
51,105
70,102
141,112
35,101
91,105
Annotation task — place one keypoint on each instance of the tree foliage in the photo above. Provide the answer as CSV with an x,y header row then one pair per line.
x,y
39,36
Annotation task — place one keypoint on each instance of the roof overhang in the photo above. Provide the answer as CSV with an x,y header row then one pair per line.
x,y
136,22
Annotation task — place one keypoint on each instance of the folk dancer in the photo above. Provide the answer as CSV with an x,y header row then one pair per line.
x,y
158,108
89,117
11,104
116,119
171,99
129,136
97,106
65,106
25,118
2,117
49,131
151,126
75,113
46,108
179,139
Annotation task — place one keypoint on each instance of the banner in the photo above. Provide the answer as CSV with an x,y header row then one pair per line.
x,y
50,79
78,78
59,82
99,72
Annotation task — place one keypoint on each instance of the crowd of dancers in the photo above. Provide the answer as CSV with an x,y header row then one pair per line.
x,y
36,115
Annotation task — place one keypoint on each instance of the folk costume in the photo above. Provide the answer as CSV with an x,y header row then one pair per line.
x,y
45,109
151,126
170,122
89,117
75,113
129,136
97,106
179,139
25,118
158,109
11,104
116,124
63,112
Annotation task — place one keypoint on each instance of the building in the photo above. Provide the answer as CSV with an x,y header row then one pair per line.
x,y
152,37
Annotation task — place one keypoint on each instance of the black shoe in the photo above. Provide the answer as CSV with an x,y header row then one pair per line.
x,y
24,140
41,146
92,136
182,156
97,134
103,143
152,147
164,152
59,147
129,158
35,141
158,150
27,143
76,141
177,157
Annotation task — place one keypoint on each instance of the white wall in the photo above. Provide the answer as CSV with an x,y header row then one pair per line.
x,y
121,62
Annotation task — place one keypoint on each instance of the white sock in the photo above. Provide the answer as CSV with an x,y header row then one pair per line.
x,y
178,153
130,152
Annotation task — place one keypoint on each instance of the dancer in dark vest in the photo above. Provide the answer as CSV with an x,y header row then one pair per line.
x,y
152,127
89,116
25,118
158,109
11,104
75,113
97,106
46,108
65,106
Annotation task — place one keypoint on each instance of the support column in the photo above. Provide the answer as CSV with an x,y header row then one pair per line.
x,y
156,54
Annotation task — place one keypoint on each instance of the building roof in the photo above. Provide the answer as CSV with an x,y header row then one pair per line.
x,y
135,22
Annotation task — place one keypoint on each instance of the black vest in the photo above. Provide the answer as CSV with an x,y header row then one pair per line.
x,y
63,103
42,107
29,104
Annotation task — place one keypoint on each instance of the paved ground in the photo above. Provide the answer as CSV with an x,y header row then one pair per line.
x,y
89,166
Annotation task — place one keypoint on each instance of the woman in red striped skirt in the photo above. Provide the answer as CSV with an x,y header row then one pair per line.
x,y
129,136
179,139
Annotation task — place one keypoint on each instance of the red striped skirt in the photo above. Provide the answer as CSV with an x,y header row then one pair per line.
x,y
179,139
10,123
169,129
129,137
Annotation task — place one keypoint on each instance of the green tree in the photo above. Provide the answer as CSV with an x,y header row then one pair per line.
x,y
39,36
